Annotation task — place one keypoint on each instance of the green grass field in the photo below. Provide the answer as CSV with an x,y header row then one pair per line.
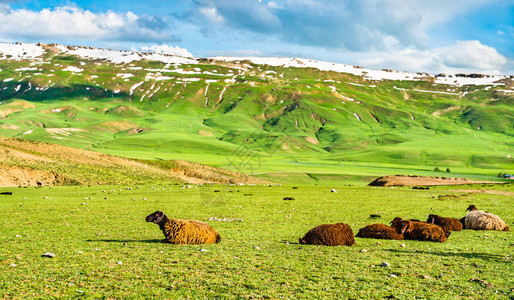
x,y
105,249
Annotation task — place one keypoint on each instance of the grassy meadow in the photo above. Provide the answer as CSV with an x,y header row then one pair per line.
x,y
104,249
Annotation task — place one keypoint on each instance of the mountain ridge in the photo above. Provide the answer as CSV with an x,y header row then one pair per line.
x,y
33,51
211,111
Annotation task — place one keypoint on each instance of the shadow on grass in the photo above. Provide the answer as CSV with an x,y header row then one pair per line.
x,y
128,241
467,255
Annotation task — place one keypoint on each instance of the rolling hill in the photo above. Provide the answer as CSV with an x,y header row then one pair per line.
x,y
32,163
256,115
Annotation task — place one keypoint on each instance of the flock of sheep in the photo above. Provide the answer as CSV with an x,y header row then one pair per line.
x,y
435,229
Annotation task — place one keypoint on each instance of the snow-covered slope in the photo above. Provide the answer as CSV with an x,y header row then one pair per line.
x,y
122,57
19,51
367,73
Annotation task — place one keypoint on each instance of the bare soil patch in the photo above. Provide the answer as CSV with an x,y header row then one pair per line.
x,y
412,180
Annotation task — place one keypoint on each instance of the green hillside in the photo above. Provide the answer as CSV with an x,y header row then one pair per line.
x,y
257,118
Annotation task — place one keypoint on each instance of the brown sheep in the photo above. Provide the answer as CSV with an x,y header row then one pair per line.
x,y
421,231
379,231
329,235
184,232
448,224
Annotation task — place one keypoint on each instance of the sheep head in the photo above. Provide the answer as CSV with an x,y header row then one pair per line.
x,y
406,226
402,226
431,218
395,221
157,217
472,208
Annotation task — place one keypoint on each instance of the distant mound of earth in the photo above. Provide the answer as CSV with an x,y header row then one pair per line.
x,y
413,180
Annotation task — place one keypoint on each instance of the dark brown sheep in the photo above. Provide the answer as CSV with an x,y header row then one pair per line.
x,y
379,231
398,220
421,231
463,222
184,232
329,235
448,224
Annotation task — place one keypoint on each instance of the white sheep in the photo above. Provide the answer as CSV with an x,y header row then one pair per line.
x,y
481,220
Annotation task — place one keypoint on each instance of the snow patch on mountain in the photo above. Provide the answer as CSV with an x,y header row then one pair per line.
x,y
20,51
365,73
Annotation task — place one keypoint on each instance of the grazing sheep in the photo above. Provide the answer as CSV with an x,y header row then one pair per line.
x,y
448,224
481,220
184,232
329,235
379,231
420,231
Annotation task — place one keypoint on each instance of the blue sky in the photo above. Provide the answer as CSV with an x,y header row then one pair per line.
x,y
431,36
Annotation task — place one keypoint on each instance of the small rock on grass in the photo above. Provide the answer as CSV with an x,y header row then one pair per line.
x,y
402,245
364,250
392,276
120,263
48,254
204,250
13,265
257,248
385,264
333,190
425,277
379,243
482,282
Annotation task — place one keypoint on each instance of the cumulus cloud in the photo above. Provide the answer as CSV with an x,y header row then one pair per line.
x,y
354,25
471,54
73,23
167,49
463,56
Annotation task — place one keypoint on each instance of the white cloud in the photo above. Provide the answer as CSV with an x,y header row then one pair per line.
x,y
463,56
73,23
471,54
167,49
441,11
345,24
272,5
238,53
212,14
